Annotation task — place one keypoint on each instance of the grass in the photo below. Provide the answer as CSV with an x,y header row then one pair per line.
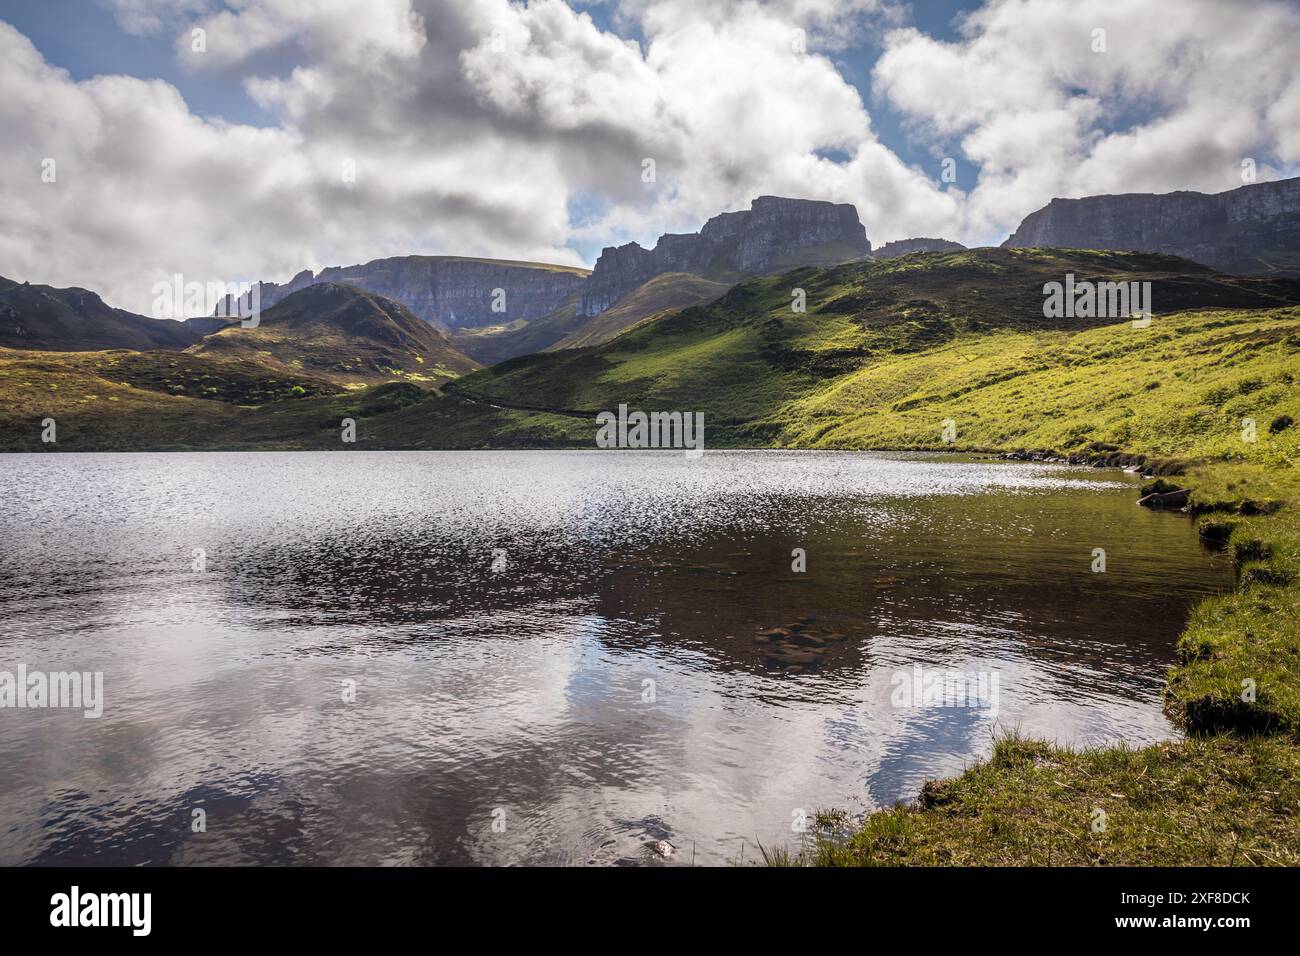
x,y
1208,801
911,336
657,297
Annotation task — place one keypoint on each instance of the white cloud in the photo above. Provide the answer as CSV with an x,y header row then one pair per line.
x,y
476,127
149,17
1173,102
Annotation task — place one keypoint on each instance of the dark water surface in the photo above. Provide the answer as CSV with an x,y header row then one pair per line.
x,y
523,694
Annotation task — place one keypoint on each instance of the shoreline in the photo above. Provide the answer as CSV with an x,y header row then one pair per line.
x,y
1236,769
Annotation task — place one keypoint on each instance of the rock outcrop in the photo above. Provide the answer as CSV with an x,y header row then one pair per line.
x,y
448,292
773,235
1252,229
903,247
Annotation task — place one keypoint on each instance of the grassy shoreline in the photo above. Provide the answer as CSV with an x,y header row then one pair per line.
x,y
1226,795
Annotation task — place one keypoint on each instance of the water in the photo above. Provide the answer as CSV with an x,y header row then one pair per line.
x,y
521,696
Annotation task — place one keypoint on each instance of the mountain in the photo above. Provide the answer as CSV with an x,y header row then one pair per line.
x,y
742,358
885,351
342,334
448,292
776,234
544,305
1251,229
903,247
40,317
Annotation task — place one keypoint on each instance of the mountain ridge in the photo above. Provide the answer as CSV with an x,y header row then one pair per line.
x,y
1248,230
775,232
45,318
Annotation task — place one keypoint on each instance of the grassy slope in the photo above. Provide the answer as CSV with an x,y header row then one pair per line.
x,y
498,343
660,295
1180,387
762,374
747,359
564,328
121,400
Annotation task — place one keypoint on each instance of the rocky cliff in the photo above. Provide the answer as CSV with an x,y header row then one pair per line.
x,y
903,247
449,292
774,234
1251,229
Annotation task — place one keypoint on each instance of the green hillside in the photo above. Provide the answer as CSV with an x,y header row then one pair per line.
x,y
872,334
883,355
564,328
660,295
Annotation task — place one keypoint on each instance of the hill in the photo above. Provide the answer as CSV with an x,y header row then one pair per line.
x,y
884,353
746,355
345,335
45,318
631,283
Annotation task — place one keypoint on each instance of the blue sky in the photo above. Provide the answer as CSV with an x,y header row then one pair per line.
x,y
84,38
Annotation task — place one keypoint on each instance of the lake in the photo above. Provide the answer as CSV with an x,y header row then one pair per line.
x,y
554,657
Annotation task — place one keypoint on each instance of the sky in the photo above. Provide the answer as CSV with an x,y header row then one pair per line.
x,y
235,140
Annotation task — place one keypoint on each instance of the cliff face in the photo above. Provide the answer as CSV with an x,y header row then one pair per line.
x,y
774,234
902,247
446,291
1251,229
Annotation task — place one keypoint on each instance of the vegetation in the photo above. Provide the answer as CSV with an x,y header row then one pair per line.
x,y
663,294
875,336
883,354
1206,801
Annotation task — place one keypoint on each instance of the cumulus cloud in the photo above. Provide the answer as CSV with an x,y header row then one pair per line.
x,y
520,131
1080,97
